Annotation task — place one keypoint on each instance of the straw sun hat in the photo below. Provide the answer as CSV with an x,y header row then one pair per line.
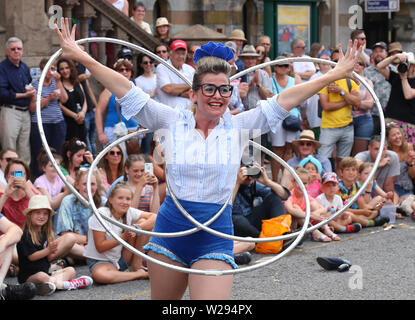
x,y
38,202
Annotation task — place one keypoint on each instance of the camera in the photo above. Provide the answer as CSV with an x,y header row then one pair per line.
x,y
403,67
253,171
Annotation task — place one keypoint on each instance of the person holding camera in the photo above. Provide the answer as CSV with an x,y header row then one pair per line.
x,y
256,197
401,105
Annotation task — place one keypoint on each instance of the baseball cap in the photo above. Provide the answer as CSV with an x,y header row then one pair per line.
x,y
330,177
178,44
125,53
380,44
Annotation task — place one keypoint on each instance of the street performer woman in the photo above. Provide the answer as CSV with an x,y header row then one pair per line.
x,y
203,152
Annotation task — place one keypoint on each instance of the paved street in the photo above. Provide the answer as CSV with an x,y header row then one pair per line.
x,y
383,266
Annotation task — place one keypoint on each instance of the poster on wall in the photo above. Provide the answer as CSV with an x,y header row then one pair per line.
x,y
293,22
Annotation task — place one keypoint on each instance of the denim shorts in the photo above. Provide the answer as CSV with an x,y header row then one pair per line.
x,y
199,245
363,127
342,137
92,263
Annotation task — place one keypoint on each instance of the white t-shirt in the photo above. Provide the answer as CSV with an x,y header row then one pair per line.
x,y
303,66
148,85
113,254
333,206
3,181
165,77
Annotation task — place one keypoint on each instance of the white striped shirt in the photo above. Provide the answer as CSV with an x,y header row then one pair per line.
x,y
198,169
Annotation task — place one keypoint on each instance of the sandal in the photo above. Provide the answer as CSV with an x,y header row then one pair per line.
x,y
321,238
334,237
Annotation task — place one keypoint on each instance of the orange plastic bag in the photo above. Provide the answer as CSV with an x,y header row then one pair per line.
x,y
272,228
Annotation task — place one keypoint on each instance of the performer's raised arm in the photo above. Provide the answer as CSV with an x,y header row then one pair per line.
x,y
110,79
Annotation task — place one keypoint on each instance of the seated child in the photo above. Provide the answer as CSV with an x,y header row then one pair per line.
x,y
315,168
367,217
49,183
381,197
38,247
333,203
106,257
295,205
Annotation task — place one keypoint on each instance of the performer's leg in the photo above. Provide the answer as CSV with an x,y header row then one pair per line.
x,y
166,284
210,287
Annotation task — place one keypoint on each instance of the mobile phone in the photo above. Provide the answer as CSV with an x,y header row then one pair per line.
x,y
148,167
18,174
379,204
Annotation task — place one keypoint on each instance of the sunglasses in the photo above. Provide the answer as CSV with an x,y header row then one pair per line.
x,y
161,51
209,90
308,144
115,153
147,62
361,64
260,52
80,143
283,65
8,159
16,49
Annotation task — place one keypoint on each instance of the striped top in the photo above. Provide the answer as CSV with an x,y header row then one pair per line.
x,y
145,198
52,113
200,169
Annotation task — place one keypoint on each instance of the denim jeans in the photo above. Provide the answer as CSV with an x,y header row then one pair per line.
x,y
342,137
91,132
55,134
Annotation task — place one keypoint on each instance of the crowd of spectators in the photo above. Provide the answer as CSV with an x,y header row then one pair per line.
x,y
328,152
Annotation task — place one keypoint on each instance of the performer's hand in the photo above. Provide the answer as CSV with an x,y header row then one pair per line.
x,y
70,50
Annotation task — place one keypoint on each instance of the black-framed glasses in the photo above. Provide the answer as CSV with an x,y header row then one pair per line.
x,y
209,90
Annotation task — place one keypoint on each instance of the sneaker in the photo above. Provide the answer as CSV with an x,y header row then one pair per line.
x,y
333,263
45,289
381,220
243,258
79,283
354,227
24,291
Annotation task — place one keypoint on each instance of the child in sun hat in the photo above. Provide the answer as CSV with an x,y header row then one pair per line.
x,y
38,247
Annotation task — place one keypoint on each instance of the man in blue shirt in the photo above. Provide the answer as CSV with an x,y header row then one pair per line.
x,y
15,98
255,199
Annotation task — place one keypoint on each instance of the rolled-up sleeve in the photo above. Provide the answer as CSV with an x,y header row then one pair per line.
x,y
133,102
273,112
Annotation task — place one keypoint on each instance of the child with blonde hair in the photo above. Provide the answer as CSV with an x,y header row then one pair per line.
x,y
38,247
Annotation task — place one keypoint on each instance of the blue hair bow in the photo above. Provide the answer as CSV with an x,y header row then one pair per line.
x,y
314,161
213,50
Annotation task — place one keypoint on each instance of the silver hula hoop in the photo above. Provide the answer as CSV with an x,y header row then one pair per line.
x,y
199,226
